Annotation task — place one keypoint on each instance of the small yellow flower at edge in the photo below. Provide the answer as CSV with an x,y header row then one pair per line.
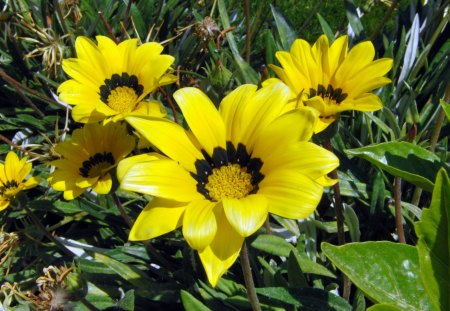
x,y
12,178
330,80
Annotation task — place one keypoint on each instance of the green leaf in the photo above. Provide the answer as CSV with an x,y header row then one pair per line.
x,y
249,74
273,244
286,33
306,298
326,28
446,107
433,245
413,163
127,302
383,307
386,272
190,303
280,247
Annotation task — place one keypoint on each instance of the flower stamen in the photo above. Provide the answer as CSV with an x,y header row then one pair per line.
x,y
230,173
121,93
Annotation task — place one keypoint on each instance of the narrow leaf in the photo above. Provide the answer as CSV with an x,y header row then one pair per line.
x,y
190,303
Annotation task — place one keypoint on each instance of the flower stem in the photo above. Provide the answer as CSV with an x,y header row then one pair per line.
x,y
248,278
248,30
398,209
339,208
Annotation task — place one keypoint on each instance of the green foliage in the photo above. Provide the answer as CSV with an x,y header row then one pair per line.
x,y
386,272
433,247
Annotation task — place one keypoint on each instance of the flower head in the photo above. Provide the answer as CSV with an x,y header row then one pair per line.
x,y
87,160
12,178
110,80
331,80
220,179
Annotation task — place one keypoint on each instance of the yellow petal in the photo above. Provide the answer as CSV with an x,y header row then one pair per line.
x,y
300,123
246,215
231,109
12,166
360,56
222,252
202,117
73,193
4,203
168,137
151,108
290,194
199,224
305,157
31,183
103,184
366,102
337,52
162,178
266,105
157,218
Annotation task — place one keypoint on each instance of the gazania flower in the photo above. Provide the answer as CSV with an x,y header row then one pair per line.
x,y
87,160
110,80
330,80
220,180
12,178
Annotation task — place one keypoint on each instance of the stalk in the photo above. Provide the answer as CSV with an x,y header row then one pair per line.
x,y
248,278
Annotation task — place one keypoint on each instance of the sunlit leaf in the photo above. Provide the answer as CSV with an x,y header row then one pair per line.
x,y
411,162
386,272
433,246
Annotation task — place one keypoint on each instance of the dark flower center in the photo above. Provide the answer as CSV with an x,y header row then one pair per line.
x,y
230,173
96,164
121,92
329,93
8,185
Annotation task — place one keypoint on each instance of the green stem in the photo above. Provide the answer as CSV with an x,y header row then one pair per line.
x,y
248,278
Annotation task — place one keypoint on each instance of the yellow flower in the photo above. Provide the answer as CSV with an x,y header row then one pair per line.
x,y
87,160
330,80
220,180
12,176
110,80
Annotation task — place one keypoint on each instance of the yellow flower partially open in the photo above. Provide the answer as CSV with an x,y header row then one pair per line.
x,y
331,80
12,178
222,178
88,158
110,81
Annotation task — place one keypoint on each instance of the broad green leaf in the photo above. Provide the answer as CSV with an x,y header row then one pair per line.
x,y
296,277
410,162
190,303
384,307
433,245
306,298
386,272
